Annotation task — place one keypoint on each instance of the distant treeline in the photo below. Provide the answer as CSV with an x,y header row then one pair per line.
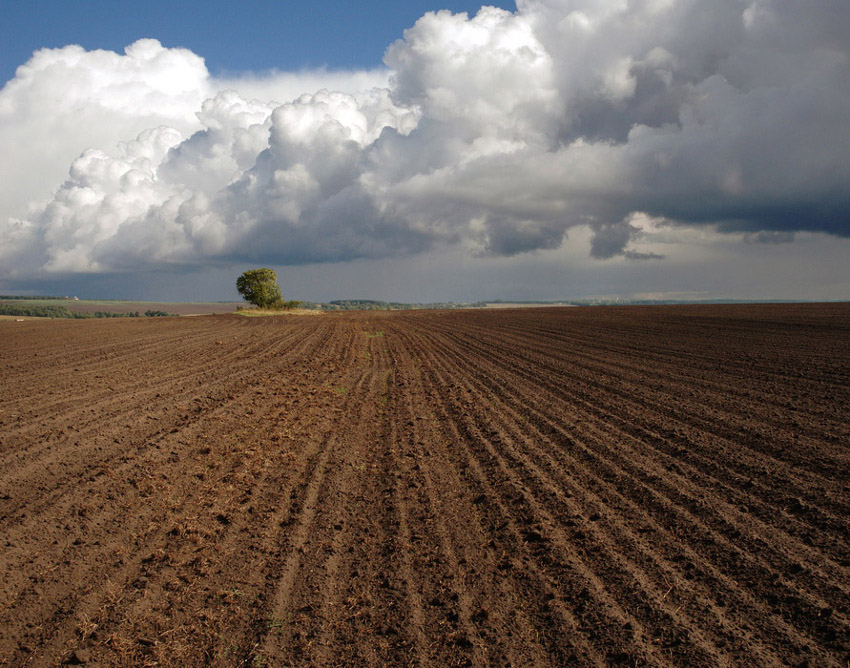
x,y
372,305
64,312
7,297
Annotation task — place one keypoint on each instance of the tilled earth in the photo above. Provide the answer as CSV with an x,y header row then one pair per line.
x,y
583,486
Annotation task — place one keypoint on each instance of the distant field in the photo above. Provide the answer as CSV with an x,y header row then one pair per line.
x,y
117,306
524,305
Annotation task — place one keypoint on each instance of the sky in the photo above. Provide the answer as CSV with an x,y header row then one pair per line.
x,y
548,149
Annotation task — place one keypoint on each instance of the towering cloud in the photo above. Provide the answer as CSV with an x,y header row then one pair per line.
x,y
497,133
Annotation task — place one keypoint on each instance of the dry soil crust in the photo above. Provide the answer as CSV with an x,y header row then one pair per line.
x,y
634,486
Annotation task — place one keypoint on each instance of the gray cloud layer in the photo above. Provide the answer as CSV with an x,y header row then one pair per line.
x,y
496,133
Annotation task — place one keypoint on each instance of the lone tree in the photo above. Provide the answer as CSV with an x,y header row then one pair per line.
x,y
259,287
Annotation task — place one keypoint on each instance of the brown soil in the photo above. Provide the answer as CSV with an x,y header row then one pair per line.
x,y
589,486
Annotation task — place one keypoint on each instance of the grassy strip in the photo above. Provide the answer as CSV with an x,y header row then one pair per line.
x,y
262,313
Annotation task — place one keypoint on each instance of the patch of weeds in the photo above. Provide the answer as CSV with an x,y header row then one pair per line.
x,y
374,335
341,390
275,624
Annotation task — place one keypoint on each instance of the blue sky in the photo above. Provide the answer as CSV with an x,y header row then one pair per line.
x,y
231,36
551,149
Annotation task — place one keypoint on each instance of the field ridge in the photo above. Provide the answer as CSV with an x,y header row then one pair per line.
x,y
637,486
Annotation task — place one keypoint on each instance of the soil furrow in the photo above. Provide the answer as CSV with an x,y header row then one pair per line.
x,y
592,531
585,486
796,592
478,374
597,407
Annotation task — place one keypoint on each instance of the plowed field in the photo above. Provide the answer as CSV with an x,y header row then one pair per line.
x,y
583,486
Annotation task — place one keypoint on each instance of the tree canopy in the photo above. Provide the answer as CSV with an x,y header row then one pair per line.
x,y
259,287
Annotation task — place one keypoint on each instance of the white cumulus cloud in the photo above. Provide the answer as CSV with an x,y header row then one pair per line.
x,y
496,133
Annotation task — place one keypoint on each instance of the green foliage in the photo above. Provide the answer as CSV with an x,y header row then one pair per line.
x,y
52,311
36,311
259,287
31,297
99,314
284,305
